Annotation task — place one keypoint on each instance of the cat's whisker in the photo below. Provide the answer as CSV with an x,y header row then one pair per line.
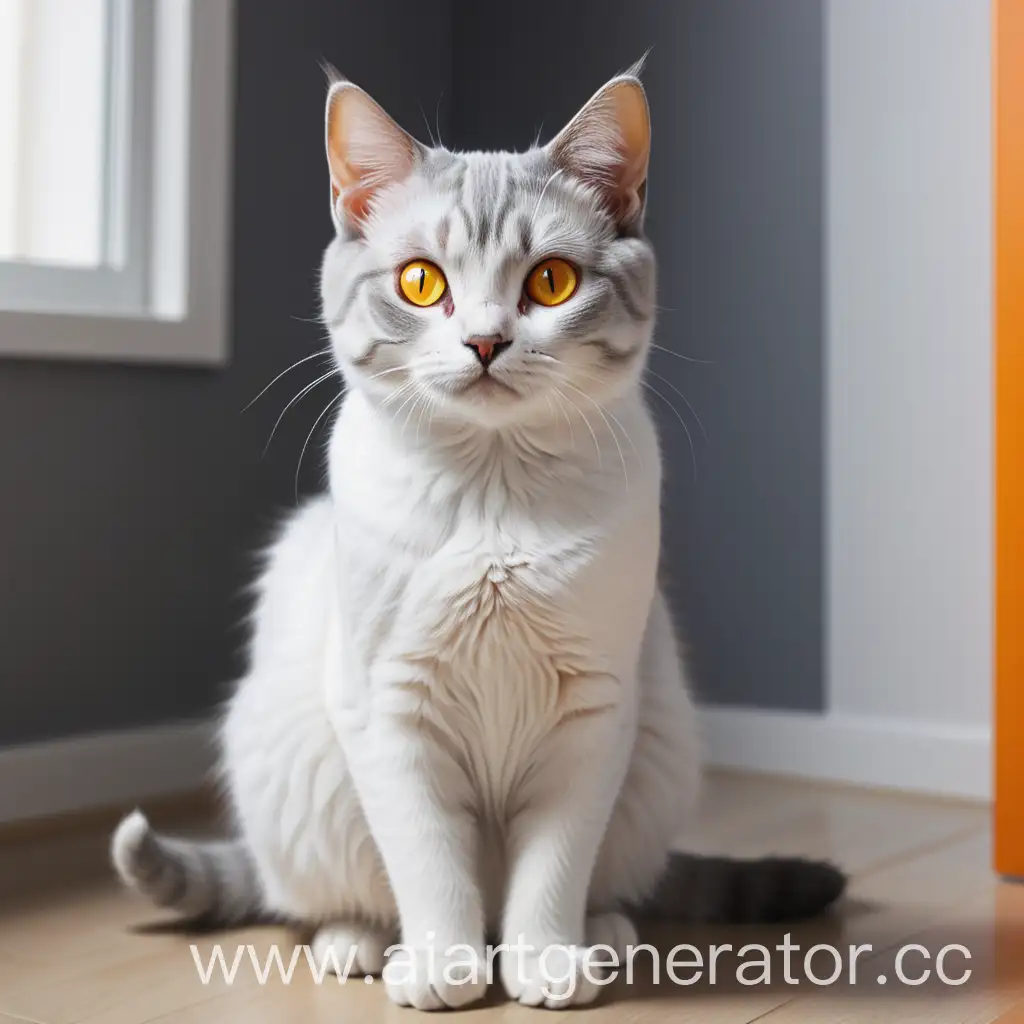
x,y
298,469
551,405
679,355
437,120
568,422
417,398
299,362
543,192
689,436
611,429
391,399
305,391
426,124
583,416
413,395
683,397
384,373
625,432
424,362
397,393
418,404
428,407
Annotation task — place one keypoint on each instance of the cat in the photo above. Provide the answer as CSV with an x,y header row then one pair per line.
x,y
465,716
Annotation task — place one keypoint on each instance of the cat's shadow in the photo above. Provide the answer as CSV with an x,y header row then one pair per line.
x,y
196,927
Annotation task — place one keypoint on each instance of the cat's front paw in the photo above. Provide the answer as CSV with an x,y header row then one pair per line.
x,y
429,980
556,977
616,931
345,949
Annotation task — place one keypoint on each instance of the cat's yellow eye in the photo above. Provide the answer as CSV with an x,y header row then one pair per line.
x,y
422,283
552,282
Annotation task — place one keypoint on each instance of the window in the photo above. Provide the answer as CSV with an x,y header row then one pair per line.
x,y
114,152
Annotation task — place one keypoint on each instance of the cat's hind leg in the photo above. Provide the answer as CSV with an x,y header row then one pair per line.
x,y
659,792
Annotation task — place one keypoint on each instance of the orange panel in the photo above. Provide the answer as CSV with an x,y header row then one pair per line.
x,y
1008,52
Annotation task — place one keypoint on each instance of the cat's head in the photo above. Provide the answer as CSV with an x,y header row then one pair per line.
x,y
499,288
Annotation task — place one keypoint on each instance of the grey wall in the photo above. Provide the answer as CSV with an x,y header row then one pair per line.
x,y
133,498
736,196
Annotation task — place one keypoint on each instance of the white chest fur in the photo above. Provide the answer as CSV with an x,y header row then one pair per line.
x,y
491,607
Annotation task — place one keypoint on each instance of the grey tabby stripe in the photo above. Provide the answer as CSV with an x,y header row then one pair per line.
x,y
352,294
525,235
610,353
505,208
170,879
393,317
581,317
457,181
444,229
483,235
439,165
467,221
493,182
370,354
618,282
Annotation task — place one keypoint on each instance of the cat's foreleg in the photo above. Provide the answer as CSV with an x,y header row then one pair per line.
x,y
417,802
553,844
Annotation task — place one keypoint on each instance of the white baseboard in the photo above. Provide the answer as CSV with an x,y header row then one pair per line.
x,y
103,769
923,757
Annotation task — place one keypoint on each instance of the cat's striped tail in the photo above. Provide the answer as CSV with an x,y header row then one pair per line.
x,y
725,890
214,882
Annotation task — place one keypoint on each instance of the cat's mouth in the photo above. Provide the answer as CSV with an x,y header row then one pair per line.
x,y
485,386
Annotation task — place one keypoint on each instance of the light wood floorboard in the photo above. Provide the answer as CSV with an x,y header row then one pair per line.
x,y
75,949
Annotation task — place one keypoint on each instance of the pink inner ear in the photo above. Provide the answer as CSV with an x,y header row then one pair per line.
x,y
607,145
357,202
366,149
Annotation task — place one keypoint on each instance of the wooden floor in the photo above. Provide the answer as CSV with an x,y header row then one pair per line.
x,y
74,948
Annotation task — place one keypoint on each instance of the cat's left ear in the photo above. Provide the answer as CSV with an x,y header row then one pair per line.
x,y
366,151
608,145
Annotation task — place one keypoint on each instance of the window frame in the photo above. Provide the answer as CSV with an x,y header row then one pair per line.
x,y
169,303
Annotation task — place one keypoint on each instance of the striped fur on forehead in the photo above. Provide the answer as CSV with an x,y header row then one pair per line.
x,y
514,203
491,190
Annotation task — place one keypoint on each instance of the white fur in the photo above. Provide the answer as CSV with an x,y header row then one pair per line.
x,y
127,839
465,716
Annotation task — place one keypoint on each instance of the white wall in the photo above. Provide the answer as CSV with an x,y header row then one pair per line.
x,y
909,446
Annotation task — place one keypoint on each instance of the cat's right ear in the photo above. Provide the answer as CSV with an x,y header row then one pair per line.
x,y
366,151
608,146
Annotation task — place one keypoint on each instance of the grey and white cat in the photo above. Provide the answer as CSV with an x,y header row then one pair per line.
x,y
465,717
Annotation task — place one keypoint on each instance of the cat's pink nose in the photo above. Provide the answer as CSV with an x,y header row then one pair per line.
x,y
488,347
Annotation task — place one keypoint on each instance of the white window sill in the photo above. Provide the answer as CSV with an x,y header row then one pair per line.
x,y
200,339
